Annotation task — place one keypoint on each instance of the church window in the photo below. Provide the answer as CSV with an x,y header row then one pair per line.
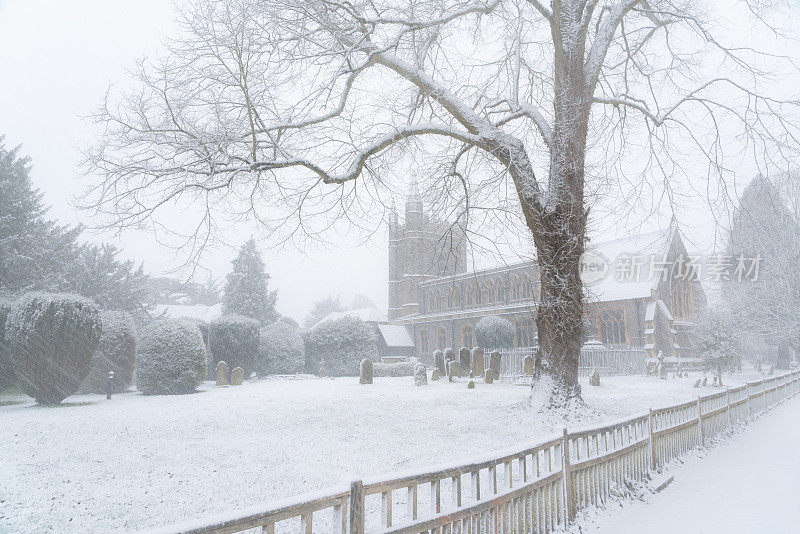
x,y
612,328
681,301
468,336
516,288
424,341
490,292
500,293
524,333
441,338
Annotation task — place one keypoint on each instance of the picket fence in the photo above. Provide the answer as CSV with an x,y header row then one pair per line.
x,y
537,489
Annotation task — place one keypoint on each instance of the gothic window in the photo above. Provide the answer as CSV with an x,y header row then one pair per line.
x,y
450,298
516,288
424,341
527,288
436,304
612,328
441,338
681,300
472,295
500,293
468,336
490,295
524,333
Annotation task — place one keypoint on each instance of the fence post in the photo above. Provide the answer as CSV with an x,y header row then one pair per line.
x,y
653,462
728,409
566,475
700,421
357,507
749,407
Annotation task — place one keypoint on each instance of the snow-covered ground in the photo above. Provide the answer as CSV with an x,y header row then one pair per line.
x,y
93,465
748,483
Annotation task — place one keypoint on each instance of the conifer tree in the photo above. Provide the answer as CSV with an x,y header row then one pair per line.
x,y
246,287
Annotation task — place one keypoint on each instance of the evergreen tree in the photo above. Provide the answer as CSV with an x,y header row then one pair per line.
x,y
321,309
246,291
717,342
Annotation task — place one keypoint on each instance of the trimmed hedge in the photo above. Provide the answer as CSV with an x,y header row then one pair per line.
x,y
234,340
280,350
494,332
342,343
171,358
52,339
115,352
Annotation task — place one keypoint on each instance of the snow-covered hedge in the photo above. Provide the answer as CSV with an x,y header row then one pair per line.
x,y
115,352
280,350
494,332
234,340
6,370
52,339
170,358
342,343
394,369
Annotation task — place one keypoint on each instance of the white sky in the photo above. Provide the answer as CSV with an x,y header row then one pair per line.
x,y
57,60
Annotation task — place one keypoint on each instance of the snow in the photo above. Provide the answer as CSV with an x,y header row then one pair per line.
x,y
134,461
370,314
747,483
181,311
396,335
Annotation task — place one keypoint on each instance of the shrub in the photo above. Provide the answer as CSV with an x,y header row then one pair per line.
x,y
6,370
280,350
52,339
234,340
394,369
717,342
494,332
342,343
116,352
171,358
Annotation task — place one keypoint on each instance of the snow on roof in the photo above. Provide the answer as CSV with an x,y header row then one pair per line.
x,y
179,311
615,286
369,315
396,335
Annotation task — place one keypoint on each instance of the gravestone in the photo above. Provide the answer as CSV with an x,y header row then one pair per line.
x,y
222,374
651,368
453,370
321,373
662,371
464,359
471,384
488,377
771,370
705,381
237,376
449,355
715,381
494,363
697,384
527,365
758,367
421,375
366,371
435,374
595,380
439,362
477,362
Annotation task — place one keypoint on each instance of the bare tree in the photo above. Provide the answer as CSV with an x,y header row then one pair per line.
x,y
280,106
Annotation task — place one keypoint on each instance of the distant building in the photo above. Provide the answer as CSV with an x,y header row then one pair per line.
x,y
640,302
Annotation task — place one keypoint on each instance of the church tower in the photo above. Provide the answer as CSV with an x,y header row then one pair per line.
x,y
420,248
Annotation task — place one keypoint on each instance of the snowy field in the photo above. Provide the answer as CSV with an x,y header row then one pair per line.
x,y
747,483
95,465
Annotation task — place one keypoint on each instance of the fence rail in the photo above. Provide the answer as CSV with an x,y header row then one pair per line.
x,y
606,360
533,490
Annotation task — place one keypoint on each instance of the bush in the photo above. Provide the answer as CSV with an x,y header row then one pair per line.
x,y
6,370
718,343
52,339
494,332
234,340
115,352
342,343
171,358
280,350
394,369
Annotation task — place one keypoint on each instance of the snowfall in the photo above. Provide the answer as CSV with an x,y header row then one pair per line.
x,y
95,465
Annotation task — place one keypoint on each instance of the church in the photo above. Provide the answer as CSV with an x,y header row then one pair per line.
x,y
642,292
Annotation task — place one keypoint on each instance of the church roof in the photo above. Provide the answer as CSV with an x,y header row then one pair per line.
x,y
368,315
395,335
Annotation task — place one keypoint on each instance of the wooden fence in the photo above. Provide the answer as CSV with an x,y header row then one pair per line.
x,y
607,361
536,489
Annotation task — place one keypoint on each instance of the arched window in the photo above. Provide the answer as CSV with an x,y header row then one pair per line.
x,y
681,300
424,341
524,333
500,292
527,288
490,295
436,302
612,328
469,295
516,288
450,298
441,338
458,298
468,336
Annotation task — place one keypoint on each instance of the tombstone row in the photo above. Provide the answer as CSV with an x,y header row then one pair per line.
x,y
237,375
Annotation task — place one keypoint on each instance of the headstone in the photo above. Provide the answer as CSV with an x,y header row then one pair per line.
x,y
439,362
453,370
435,375
471,384
494,363
449,355
322,368
488,377
421,375
222,374
237,376
595,380
771,370
464,359
697,384
651,368
477,361
705,381
527,365
366,371
714,381
758,367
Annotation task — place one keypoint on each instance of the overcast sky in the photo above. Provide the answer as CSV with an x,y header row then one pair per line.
x,y
58,58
